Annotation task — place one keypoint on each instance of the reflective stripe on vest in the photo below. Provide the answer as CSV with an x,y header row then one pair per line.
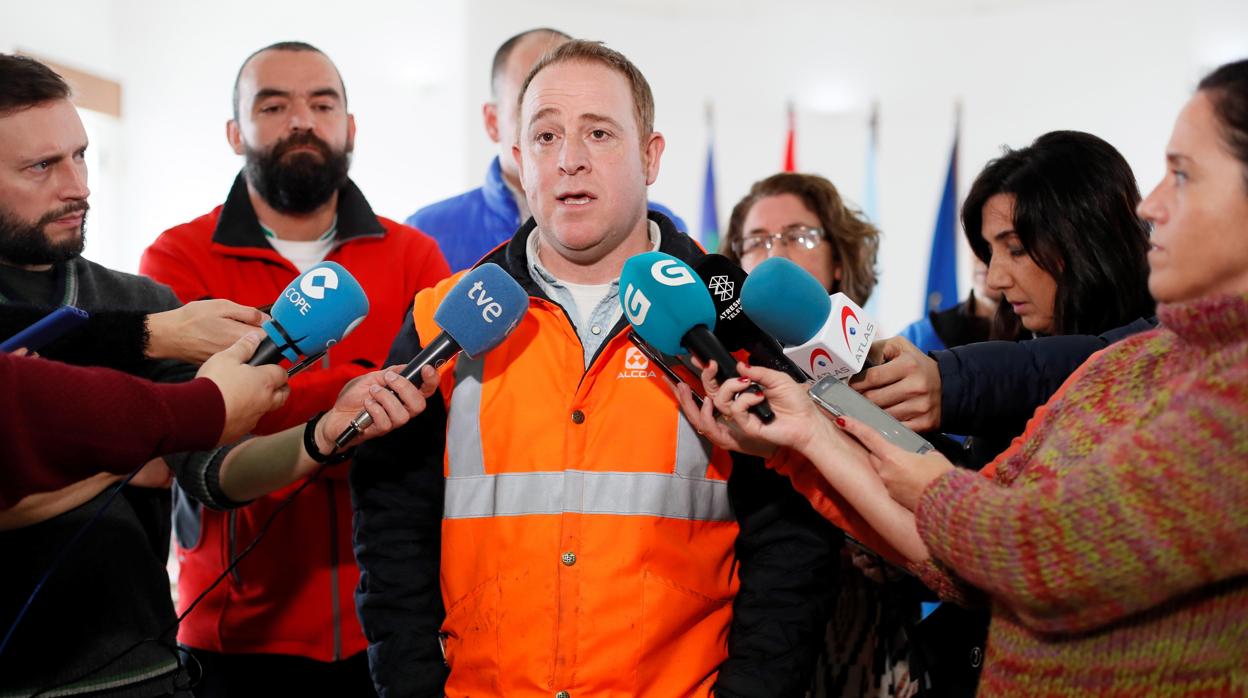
x,y
578,491
463,437
685,493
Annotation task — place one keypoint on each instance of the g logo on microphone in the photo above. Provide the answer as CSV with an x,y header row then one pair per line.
x,y
636,305
316,281
671,273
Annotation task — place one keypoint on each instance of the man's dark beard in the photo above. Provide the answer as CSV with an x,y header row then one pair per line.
x,y
23,243
302,182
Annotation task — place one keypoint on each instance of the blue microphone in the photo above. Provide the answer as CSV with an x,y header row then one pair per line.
x,y
668,307
786,301
823,335
319,308
481,310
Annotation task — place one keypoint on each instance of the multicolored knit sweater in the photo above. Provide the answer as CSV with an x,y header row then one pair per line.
x,y
1113,544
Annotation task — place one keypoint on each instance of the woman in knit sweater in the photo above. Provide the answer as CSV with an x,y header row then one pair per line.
x,y
1113,543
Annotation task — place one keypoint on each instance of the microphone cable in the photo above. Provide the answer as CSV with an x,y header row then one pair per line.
x,y
159,639
60,556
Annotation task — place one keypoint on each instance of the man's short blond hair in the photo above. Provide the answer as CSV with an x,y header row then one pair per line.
x,y
581,51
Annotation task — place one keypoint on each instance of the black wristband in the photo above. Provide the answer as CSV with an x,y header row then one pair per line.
x,y
309,445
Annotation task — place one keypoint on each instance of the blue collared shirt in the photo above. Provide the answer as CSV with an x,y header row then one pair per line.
x,y
604,316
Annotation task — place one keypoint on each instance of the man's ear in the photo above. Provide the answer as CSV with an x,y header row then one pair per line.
x,y
651,154
350,133
519,160
489,116
234,136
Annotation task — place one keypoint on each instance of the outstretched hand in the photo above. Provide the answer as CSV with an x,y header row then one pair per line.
x,y
716,427
199,329
797,421
249,392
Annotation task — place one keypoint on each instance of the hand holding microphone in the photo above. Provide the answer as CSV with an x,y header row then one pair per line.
x,y
388,398
478,313
249,392
316,311
823,335
829,337
199,329
672,311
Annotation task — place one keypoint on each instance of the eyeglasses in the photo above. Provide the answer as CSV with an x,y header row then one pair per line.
x,y
801,237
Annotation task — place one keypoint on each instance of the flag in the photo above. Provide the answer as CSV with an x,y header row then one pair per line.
x,y
790,146
870,197
942,267
709,234
870,201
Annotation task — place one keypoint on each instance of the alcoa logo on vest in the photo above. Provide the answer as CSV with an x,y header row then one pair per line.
x,y
636,365
312,285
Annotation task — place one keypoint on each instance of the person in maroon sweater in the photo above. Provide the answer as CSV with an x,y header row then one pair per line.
x,y
94,431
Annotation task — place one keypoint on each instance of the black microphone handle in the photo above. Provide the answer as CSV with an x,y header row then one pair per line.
x,y
767,352
436,353
267,353
703,343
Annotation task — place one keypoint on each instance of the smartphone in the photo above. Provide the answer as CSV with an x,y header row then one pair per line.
x,y
656,358
46,329
842,400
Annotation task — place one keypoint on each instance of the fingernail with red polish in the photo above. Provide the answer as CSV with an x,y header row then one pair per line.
x,y
743,379
840,421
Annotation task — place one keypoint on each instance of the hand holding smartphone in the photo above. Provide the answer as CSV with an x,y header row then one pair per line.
x,y
46,330
840,400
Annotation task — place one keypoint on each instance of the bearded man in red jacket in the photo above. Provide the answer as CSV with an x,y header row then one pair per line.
x,y
286,613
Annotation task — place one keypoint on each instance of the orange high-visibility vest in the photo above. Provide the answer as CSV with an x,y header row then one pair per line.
x,y
587,538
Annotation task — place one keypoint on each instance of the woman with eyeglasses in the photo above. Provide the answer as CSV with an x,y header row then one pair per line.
x,y
802,217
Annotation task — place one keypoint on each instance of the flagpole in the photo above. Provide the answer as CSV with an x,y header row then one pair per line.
x,y
790,145
870,199
942,270
709,230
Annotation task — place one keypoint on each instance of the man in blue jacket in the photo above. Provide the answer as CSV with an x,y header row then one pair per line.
x,y
471,224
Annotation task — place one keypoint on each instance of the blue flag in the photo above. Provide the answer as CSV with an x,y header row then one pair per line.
x,y
870,195
942,268
709,236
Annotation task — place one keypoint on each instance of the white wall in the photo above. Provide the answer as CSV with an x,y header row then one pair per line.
x,y
177,62
1116,68
416,74
399,62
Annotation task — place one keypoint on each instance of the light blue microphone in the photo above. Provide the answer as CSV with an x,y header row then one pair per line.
x,y
482,308
319,308
669,307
